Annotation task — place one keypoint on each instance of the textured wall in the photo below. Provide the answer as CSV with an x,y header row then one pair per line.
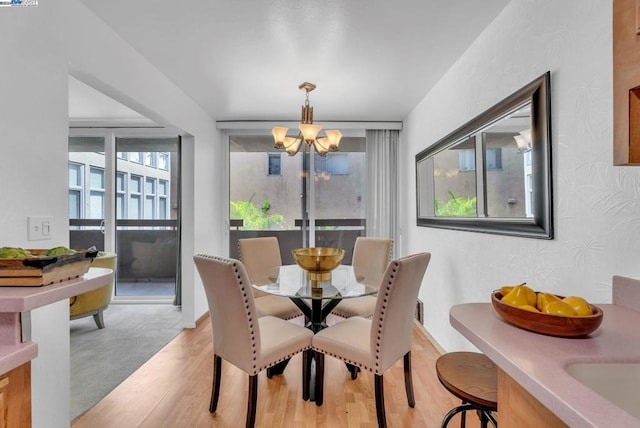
x,y
596,205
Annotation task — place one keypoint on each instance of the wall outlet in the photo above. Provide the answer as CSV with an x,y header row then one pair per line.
x,y
39,228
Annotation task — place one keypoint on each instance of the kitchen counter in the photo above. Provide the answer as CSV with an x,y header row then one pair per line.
x,y
15,304
538,363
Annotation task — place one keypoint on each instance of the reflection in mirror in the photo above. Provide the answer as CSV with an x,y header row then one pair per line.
x,y
493,174
454,180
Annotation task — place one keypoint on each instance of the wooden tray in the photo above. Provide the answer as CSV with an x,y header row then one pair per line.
x,y
44,270
551,325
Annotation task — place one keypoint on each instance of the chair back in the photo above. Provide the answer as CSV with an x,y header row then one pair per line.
x,y
392,322
236,333
370,259
261,258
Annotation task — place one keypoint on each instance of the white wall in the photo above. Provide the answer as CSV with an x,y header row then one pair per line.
x,y
596,205
40,47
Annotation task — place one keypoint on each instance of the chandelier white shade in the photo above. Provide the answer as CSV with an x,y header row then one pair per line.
x,y
308,132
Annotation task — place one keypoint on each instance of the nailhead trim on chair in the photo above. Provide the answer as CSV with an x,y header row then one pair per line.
x,y
381,318
250,318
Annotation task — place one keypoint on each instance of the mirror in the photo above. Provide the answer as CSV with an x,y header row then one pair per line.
x,y
493,174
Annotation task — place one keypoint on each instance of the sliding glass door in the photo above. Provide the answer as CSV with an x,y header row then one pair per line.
x,y
124,197
304,200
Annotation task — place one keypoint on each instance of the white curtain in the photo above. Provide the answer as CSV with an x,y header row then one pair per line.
x,y
382,184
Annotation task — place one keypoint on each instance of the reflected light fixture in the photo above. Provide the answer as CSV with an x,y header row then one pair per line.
x,y
523,140
308,131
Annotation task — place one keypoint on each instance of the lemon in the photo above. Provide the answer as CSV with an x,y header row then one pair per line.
x,y
579,305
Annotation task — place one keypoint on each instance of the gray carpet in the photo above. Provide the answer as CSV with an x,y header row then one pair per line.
x,y
102,359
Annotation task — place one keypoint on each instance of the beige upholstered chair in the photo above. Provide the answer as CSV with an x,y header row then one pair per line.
x,y
261,259
377,344
245,340
370,259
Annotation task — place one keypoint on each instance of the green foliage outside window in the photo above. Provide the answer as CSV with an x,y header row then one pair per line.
x,y
255,218
456,206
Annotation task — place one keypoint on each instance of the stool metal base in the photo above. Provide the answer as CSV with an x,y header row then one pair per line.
x,y
484,414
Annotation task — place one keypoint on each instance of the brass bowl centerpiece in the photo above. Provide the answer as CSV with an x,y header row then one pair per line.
x,y
318,261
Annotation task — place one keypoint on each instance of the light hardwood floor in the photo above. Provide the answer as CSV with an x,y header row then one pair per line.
x,y
173,390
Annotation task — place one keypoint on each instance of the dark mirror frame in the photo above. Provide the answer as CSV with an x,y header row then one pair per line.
x,y
541,225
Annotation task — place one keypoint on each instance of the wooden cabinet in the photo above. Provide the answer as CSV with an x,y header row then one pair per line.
x,y
518,408
15,397
626,82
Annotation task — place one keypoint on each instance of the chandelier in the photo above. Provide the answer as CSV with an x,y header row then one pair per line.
x,y
308,131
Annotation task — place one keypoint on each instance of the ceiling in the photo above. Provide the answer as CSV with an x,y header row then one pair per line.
x,y
372,60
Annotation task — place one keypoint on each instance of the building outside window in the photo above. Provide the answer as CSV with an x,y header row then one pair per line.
x,y
135,157
275,164
163,161
96,193
135,197
333,164
150,198
467,159
163,199
75,189
121,195
150,159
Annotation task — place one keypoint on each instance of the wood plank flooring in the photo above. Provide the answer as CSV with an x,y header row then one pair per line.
x,y
173,390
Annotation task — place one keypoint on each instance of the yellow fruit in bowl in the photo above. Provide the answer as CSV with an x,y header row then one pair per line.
x,y
579,305
516,297
529,308
544,298
558,307
505,289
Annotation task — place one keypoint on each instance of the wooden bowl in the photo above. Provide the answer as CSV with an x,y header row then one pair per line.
x,y
552,325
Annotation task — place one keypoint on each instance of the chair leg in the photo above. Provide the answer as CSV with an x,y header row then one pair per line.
x,y
306,373
408,382
215,388
379,386
98,318
252,401
319,386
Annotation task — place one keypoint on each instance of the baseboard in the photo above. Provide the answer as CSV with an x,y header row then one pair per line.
x,y
428,336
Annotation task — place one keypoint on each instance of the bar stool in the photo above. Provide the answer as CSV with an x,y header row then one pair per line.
x,y
473,378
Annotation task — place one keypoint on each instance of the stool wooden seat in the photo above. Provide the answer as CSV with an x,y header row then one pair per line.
x,y
473,378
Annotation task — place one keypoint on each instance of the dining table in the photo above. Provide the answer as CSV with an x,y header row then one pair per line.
x,y
315,297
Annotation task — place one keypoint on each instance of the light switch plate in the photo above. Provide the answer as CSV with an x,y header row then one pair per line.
x,y
39,228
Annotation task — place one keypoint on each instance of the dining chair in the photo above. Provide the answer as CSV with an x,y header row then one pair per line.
x,y
370,259
261,258
240,337
377,344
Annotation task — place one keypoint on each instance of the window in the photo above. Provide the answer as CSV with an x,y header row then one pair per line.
x,y
96,192
333,164
275,164
135,157
493,158
511,193
121,195
75,190
163,161
163,202
150,198
467,159
135,197
150,159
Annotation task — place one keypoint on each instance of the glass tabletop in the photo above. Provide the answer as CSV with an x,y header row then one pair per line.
x,y
292,281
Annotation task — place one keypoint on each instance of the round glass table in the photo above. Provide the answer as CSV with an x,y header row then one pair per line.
x,y
316,299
